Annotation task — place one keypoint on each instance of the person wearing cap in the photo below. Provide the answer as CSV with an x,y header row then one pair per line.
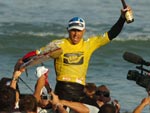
x,y
71,66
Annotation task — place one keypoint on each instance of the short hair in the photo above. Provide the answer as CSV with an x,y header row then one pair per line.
x,y
107,108
7,98
28,103
103,88
90,87
6,81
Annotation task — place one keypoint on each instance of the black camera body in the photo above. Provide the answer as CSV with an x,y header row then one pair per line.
x,y
140,78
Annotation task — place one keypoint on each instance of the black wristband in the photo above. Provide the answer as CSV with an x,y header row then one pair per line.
x,y
14,79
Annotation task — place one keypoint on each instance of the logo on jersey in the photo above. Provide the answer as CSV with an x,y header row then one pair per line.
x,y
73,58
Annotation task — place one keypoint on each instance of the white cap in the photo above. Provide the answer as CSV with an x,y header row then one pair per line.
x,y
41,70
76,23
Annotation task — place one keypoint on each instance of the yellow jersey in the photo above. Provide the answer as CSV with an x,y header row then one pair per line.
x,y
72,64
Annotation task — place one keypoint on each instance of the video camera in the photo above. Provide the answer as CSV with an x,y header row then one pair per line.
x,y
141,77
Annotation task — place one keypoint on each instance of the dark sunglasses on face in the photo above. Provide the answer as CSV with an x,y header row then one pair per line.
x,y
102,93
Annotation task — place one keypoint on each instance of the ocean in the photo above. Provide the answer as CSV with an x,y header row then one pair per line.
x,y
26,25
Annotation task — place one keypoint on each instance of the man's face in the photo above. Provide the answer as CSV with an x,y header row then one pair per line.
x,y
76,35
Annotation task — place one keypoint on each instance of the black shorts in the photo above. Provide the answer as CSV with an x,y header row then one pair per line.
x,y
73,92
69,91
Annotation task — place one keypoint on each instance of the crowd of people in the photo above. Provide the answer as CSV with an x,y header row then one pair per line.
x,y
38,102
44,100
12,101
71,94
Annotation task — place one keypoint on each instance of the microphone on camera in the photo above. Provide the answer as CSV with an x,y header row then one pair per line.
x,y
133,58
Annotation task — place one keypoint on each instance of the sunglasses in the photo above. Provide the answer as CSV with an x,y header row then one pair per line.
x,y
76,24
102,93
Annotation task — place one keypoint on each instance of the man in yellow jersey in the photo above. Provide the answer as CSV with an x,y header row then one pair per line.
x,y
71,66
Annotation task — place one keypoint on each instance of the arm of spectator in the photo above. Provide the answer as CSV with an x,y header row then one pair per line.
x,y
16,74
142,105
57,104
117,105
76,106
40,84
15,78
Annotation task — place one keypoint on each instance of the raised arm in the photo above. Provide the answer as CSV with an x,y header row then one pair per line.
x,y
16,74
76,106
142,105
117,27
